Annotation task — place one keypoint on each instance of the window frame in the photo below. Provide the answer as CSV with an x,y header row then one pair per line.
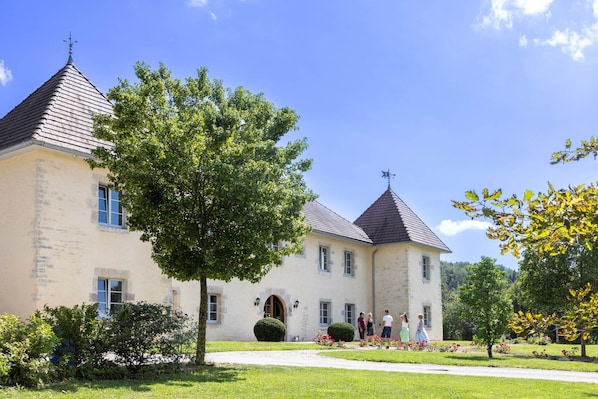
x,y
349,267
109,199
324,259
325,313
350,314
427,312
212,316
426,269
108,304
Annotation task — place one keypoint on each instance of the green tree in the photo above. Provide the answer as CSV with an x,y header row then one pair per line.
x,y
486,301
547,280
205,177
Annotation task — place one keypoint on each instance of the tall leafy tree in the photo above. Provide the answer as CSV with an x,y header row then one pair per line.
x,y
486,301
205,176
546,280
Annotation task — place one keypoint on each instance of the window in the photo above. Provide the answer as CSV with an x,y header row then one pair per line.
x,y
110,211
324,262
325,313
426,268
350,313
212,308
110,296
427,316
348,263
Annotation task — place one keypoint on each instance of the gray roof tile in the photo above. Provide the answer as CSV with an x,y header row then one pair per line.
x,y
390,220
323,220
59,114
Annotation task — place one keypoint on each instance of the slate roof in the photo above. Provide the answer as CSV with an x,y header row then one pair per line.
x,y
58,114
390,220
323,220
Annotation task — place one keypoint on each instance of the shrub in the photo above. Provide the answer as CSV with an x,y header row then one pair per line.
x,y
24,349
341,331
269,329
81,347
139,333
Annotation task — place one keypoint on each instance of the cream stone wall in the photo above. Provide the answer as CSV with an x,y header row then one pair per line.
x,y
299,278
57,252
18,234
400,286
53,250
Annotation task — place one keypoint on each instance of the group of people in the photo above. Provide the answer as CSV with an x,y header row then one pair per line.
x,y
367,331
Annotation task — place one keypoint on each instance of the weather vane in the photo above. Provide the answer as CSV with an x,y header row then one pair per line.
x,y
71,42
388,175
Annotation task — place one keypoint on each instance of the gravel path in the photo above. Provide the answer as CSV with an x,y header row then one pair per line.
x,y
311,358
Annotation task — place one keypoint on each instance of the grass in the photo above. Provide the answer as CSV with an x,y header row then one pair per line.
x,y
251,382
549,357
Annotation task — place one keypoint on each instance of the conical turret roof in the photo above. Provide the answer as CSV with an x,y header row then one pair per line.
x,y
58,114
389,220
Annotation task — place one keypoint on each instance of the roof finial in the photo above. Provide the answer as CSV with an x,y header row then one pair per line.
x,y
71,42
388,175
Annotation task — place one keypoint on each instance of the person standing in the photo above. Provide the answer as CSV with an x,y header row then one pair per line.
x,y
361,326
387,327
404,333
369,326
421,336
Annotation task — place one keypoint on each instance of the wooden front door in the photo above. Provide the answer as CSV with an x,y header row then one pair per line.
x,y
274,308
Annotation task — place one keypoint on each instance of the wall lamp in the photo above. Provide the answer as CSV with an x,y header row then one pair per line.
x,y
296,304
257,301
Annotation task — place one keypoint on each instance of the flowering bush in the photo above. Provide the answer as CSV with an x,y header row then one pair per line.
x,y
454,347
502,348
570,353
324,339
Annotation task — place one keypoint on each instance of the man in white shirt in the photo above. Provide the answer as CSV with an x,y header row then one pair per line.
x,y
386,327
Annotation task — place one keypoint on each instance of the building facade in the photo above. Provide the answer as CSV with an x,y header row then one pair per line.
x,y
64,241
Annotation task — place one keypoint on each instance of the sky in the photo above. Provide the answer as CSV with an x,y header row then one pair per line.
x,y
448,96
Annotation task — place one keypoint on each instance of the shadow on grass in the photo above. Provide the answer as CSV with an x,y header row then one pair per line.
x,y
476,358
186,378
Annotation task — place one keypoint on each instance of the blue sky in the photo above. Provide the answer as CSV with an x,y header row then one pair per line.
x,y
448,95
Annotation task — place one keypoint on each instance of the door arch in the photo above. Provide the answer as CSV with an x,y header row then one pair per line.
x,y
274,308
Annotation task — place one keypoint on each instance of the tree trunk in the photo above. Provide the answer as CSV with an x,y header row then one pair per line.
x,y
489,348
583,345
200,351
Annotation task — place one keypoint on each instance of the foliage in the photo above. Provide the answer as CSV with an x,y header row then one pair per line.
x,y
205,177
548,223
269,329
341,331
140,333
486,303
24,349
546,280
578,320
81,347
453,275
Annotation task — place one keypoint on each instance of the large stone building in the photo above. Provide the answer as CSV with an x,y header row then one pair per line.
x,y
64,241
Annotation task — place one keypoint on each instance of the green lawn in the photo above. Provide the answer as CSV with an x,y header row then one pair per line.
x,y
548,357
250,382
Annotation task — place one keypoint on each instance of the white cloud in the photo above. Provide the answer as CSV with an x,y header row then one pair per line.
x,y
571,42
5,74
502,13
198,3
573,28
450,228
213,16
